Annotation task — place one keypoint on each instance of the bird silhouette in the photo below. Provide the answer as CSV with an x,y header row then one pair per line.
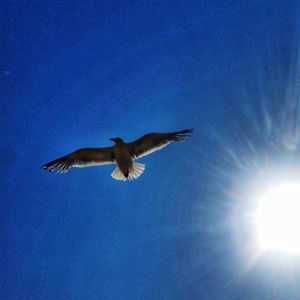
x,y
121,153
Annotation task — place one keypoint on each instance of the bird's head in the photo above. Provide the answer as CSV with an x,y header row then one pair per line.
x,y
116,140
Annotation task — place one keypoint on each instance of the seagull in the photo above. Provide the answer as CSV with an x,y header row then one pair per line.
x,y
121,153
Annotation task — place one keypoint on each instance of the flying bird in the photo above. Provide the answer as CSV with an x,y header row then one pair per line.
x,y
121,153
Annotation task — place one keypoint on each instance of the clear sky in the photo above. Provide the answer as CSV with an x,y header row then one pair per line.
x,y
76,73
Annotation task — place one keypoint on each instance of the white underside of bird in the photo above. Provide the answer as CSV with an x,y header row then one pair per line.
x,y
135,172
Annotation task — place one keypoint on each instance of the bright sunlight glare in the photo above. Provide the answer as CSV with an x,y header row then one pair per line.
x,y
278,218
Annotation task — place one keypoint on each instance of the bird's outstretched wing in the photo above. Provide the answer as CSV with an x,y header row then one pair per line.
x,y
84,157
155,141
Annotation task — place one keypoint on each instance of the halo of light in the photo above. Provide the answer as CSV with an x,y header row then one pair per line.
x,y
278,218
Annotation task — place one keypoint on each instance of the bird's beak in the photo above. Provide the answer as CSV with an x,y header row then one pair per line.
x,y
112,139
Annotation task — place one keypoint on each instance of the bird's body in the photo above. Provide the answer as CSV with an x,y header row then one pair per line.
x,y
123,154
123,158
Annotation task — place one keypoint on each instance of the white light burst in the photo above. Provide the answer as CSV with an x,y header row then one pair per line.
x,y
278,218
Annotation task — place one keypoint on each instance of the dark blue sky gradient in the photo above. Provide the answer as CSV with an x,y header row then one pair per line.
x,y
75,73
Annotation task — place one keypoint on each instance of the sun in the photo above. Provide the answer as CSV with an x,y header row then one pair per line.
x,y
278,218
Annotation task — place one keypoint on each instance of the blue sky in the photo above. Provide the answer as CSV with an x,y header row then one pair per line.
x,y
73,74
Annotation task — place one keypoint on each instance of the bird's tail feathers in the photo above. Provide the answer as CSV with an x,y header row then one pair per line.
x,y
136,171
118,174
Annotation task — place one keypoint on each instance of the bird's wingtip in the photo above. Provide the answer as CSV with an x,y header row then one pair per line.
x,y
190,129
46,168
181,135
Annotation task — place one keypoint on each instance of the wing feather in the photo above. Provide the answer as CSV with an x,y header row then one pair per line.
x,y
84,157
152,142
